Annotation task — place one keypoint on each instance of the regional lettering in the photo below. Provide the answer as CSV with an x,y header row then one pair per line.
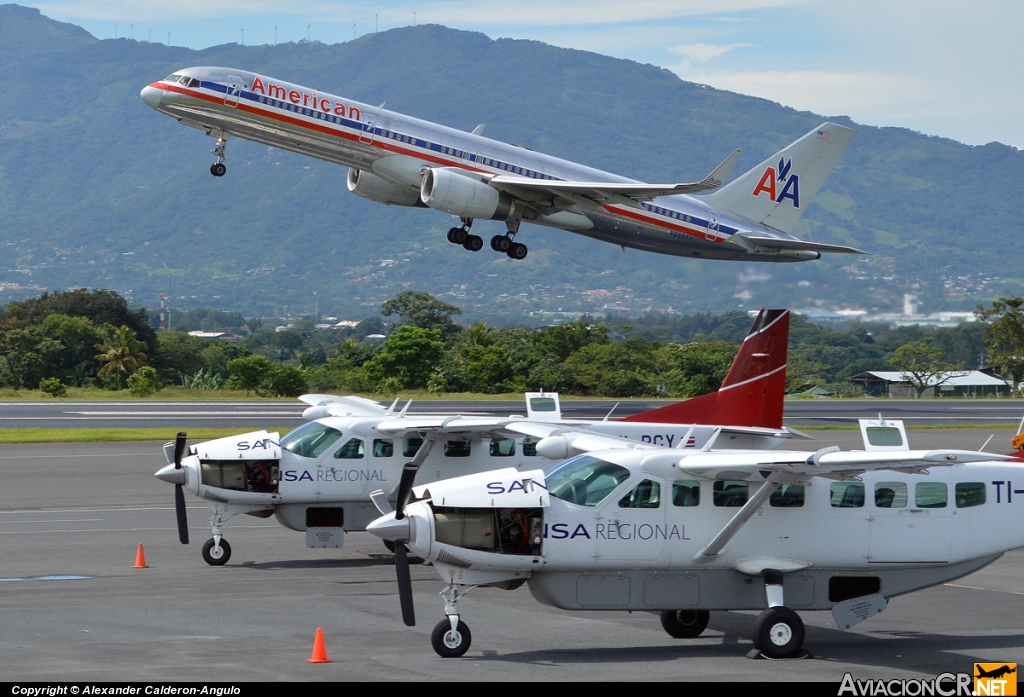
x,y
617,531
333,475
308,100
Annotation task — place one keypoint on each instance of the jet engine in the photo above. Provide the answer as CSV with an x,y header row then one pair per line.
x,y
464,196
375,188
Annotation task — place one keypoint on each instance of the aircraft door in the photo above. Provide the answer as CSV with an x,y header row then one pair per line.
x,y
367,133
234,90
910,522
634,527
712,224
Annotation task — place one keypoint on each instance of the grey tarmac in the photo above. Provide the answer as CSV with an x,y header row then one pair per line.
x,y
74,510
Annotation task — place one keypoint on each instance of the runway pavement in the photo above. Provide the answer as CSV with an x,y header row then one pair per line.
x,y
72,608
256,414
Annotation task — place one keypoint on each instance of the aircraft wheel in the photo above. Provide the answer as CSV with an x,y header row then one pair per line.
x,y
459,235
449,644
517,251
685,624
779,633
501,243
451,234
218,169
473,243
214,556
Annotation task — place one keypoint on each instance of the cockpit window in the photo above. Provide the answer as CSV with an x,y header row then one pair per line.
x,y
585,480
310,440
173,78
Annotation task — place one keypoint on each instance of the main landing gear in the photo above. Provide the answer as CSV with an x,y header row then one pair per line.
x,y
218,168
778,631
499,243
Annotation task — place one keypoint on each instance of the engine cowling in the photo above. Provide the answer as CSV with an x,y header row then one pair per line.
x,y
464,196
370,186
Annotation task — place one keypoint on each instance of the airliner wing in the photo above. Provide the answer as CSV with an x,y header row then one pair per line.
x,y
638,191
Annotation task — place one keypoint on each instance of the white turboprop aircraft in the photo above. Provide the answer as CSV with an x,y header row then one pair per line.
x,y
403,161
318,478
632,527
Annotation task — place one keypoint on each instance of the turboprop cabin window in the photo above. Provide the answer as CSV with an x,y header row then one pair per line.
x,y
890,495
456,448
730,494
310,440
529,447
585,480
383,447
352,450
970,494
787,496
884,436
847,494
646,494
503,447
410,446
686,493
930,494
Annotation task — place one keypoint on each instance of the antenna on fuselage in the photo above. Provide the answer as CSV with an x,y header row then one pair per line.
x,y
610,412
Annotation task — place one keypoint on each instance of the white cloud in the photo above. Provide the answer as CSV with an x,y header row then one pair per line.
x,y
451,12
861,95
702,53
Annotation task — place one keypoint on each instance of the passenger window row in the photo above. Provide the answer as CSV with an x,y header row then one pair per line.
x,y
354,449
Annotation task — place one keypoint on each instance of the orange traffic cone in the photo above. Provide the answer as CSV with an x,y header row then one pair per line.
x,y
140,559
319,652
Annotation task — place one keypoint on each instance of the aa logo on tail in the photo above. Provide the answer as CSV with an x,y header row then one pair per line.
x,y
774,178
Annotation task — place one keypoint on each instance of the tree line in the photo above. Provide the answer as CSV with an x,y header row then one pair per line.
x,y
92,338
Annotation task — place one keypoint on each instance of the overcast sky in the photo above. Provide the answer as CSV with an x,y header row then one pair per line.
x,y
945,68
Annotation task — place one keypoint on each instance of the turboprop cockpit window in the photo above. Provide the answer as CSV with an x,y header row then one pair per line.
x,y
352,450
310,440
585,480
646,494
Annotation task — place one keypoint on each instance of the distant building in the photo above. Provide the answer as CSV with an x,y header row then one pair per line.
x,y
220,336
962,383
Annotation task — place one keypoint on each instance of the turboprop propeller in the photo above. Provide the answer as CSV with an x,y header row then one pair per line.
x,y
174,474
398,528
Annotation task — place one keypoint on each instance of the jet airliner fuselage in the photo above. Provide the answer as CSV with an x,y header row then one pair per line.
x,y
401,160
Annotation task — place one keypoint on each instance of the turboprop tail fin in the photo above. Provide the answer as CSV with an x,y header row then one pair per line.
x,y
753,391
777,191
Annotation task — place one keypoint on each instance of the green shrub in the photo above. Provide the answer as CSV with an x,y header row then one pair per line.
x,y
53,387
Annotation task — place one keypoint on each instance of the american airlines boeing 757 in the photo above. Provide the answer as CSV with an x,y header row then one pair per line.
x,y
404,161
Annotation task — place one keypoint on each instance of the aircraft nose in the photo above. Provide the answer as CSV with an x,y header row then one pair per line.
x,y
171,475
151,95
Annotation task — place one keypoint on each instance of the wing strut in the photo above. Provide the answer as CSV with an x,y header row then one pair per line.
x,y
708,554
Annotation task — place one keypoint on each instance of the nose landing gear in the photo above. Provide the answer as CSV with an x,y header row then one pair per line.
x,y
218,168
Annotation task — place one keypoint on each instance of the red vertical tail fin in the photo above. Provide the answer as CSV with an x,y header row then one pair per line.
x,y
753,391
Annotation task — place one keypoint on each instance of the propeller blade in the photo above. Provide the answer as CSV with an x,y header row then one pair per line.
x,y
405,488
179,508
404,584
179,450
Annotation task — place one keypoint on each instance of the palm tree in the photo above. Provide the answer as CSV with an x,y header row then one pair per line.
x,y
122,352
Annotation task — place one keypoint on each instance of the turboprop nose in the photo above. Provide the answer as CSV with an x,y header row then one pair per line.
x,y
151,95
387,528
171,475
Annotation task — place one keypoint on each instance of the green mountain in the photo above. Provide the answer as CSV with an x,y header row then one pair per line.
x,y
97,189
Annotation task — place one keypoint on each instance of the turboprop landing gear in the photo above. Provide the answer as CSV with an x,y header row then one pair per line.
x,y
685,624
216,551
451,636
218,168
778,631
